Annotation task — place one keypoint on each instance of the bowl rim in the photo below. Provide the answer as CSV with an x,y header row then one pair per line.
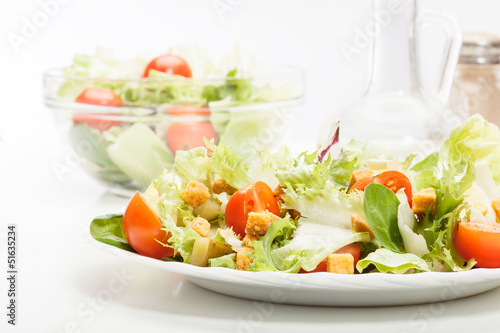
x,y
285,71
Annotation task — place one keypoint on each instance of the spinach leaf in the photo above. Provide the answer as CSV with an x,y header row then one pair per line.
x,y
381,209
108,229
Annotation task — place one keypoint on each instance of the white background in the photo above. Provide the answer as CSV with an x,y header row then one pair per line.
x,y
59,272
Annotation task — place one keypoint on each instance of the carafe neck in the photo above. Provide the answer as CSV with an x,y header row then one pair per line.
x,y
393,63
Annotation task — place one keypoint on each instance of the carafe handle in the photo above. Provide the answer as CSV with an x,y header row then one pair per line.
x,y
451,49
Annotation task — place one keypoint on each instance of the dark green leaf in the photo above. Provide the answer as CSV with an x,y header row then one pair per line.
x,y
108,229
381,209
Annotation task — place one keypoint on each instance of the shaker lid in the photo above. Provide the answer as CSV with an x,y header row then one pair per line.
x,y
480,48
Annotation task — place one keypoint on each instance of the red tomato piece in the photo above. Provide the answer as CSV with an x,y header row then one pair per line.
x,y
256,197
96,96
185,135
143,229
393,180
361,184
100,121
170,64
479,240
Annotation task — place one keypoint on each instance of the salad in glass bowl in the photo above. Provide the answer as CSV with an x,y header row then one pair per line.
x,y
128,118
348,210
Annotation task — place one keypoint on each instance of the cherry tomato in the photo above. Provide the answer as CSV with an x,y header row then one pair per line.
x,y
393,180
100,121
142,229
361,184
170,64
256,197
479,240
188,134
96,96
189,110
354,249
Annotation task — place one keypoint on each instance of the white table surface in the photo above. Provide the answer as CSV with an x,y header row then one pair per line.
x,y
63,279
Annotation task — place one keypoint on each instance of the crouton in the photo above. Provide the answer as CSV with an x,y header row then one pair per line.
x,y
220,185
201,226
360,174
480,207
242,260
195,193
340,263
495,204
424,199
359,224
258,223
279,193
248,239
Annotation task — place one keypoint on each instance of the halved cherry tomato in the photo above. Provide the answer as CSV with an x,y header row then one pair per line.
x,y
100,121
185,135
96,96
143,229
361,184
189,110
354,249
479,240
393,180
102,97
256,197
170,64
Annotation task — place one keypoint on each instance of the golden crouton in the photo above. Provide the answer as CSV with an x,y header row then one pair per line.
x,y
220,185
340,263
248,239
360,225
480,207
495,204
195,193
258,223
360,174
201,226
424,199
242,261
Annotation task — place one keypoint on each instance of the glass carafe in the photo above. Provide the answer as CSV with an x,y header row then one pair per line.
x,y
395,106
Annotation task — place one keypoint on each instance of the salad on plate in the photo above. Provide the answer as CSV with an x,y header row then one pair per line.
x,y
345,210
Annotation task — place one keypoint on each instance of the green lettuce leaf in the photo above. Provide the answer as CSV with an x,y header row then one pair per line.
x,y
108,229
278,234
142,165
387,261
381,209
226,163
476,139
324,225
172,209
229,261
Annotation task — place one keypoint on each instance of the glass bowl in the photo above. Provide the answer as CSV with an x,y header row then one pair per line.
x,y
127,146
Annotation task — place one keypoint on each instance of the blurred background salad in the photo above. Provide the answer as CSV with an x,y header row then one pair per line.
x,y
128,117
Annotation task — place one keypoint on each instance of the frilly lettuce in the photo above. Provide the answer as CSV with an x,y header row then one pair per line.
x,y
476,139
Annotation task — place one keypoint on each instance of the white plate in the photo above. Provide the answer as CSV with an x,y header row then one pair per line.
x,y
326,289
